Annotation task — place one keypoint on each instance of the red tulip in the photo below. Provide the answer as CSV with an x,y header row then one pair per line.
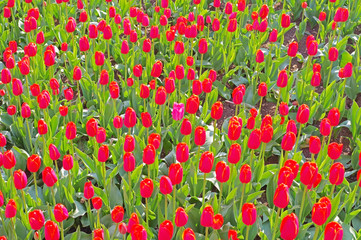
x,y
333,231
288,141
188,234
157,69
222,172
146,188
192,104
97,203
303,114
332,54
103,153
336,174
245,174
53,152
309,173
36,219
60,212
88,190
325,127
314,145
202,46
289,227
70,132
130,118
186,127
68,162
199,136
292,49
319,213
99,58
334,150
234,153
334,116
254,140
285,20
282,79
281,197
129,143
161,95
51,231
33,163
149,154
175,173
259,56
249,214
234,129
49,177
206,162
182,152
207,216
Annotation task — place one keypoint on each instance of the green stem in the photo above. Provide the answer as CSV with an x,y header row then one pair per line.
x,y
206,237
332,190
251,161
247,232
276,223
278,101
166,206
30,142
298,138
174,192
329,75
242,195
146,210
220,195
204,189
62,230
25,205
115,231
53,195
316,232
302,204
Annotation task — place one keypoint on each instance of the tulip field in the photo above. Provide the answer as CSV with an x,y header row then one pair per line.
x,y
180,119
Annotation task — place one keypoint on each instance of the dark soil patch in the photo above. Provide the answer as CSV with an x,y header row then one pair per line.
x,y
229,109
272,160
268,108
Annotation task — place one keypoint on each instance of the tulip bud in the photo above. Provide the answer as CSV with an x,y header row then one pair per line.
x,y
333,231
36,219
199,136
334,150
20,180
289,227
281,197
10,209
249,214
60,212
51,230
165,185
175,173
49,177
146,188
207,216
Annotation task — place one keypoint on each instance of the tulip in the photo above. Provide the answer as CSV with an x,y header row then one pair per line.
x,y
199,136
207,217
285,20
319,214
234,129
157,69
254,140
325,127
249,214
97,203
128,162
53,152
186,127
10,209
33,163
60,212
49,177
165,230
88,190
289,227
175,173
117,214
20,179
334,150
178,111
285,176
288,141
68,162
334,116
51,231
314,145
130,118
309,172
182,152
336,174
333,231
99,58
234,153
281,197
188,234
36,219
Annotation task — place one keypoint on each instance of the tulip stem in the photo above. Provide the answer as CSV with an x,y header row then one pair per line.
x,y
231,179
44,147
115,231
204,188
242,194
332,191
341,96
53,195
36,187
302,204
260,106
146,211
329,75
195,170
276,223
206,237
251,161
30,142
278,101
174,192
98,217
166,206
220,195
62,230
200,69
316,233
297,140
3,221
247,231
14,231
25,207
